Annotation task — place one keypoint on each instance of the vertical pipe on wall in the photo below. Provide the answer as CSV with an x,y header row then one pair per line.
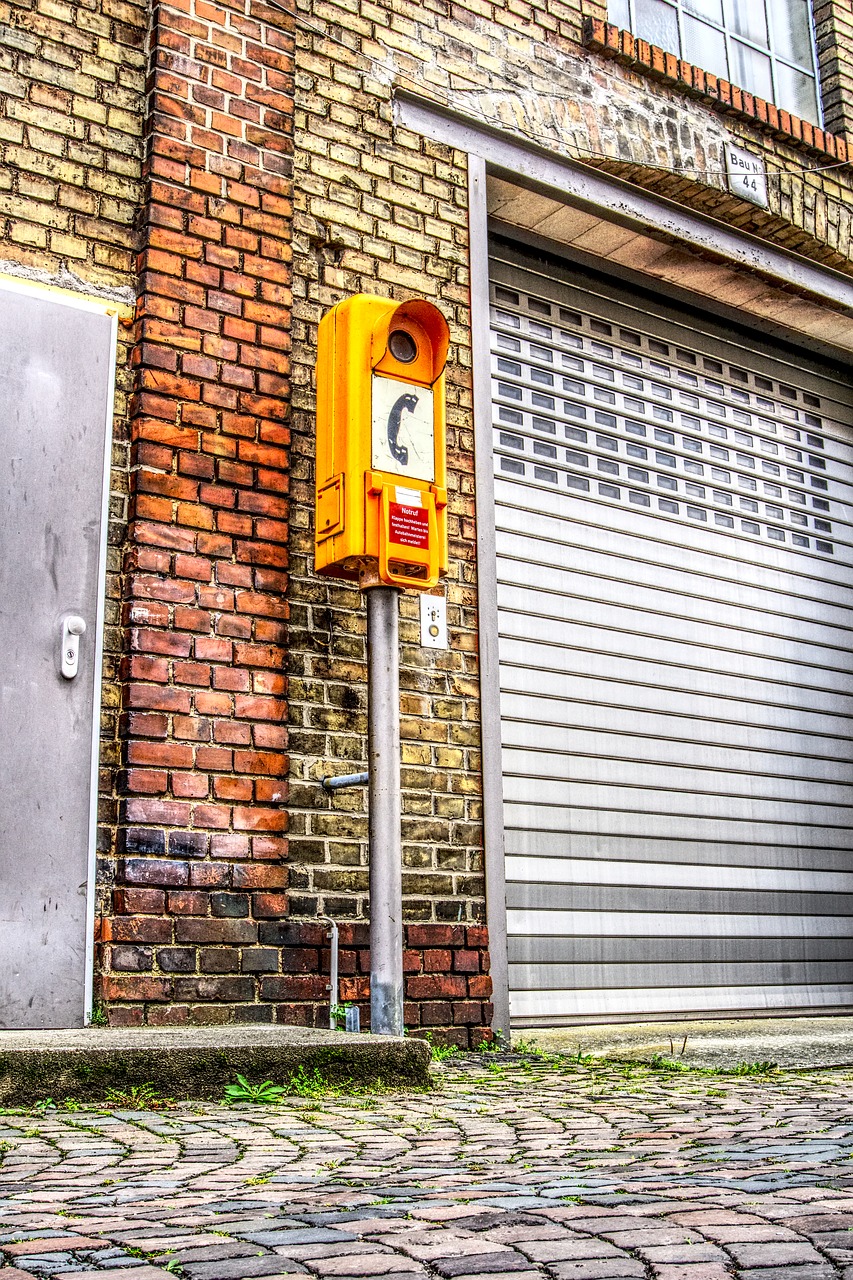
x,y
487,600
386,852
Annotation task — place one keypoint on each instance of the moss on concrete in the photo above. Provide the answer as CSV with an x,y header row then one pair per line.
x,y
197,1063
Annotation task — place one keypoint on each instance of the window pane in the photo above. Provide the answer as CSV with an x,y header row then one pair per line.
x,y
791,35
751,71
712,9
746,18
705,47
796,93
657,22
617,12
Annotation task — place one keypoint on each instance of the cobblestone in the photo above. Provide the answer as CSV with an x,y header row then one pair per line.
x,y
515,1167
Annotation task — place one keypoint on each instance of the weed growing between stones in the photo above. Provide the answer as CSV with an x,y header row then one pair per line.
x,y
440,1052
139,1097
99,1017
254,1094
304,1083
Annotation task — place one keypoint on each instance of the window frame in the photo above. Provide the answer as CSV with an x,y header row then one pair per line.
x,y
730,37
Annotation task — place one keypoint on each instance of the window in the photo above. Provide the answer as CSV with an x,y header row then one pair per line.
x,y
763,46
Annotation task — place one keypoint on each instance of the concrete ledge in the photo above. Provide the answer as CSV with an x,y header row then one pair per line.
x,y
197,1062
793,1043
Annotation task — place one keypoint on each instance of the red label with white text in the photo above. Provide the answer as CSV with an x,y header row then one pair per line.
x,y
408,526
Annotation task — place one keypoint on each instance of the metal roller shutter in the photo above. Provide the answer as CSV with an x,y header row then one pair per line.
x,y
674,547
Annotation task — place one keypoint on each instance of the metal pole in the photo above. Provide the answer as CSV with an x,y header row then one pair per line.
x,y
333,971
386,854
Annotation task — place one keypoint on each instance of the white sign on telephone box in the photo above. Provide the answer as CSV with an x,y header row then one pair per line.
x,y
747,176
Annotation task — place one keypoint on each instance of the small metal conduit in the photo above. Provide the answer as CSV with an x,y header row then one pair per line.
x,y
346,780
330,785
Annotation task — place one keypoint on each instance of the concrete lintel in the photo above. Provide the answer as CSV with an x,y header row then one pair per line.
x,y
518,162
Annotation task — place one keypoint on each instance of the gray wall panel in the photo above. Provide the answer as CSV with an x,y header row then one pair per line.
x,y
560,953
557,977
700,902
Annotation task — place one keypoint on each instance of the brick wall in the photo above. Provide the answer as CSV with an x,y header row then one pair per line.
x,y
201,848
834,37
71,88
384,214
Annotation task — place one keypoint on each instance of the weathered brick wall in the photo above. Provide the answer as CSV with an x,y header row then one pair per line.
x,y
382,212
71,90
834,37
201,851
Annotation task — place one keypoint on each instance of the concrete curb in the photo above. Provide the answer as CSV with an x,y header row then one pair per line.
x,y
793,1043
197,1062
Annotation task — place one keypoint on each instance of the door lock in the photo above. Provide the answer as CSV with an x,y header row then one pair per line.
x,y
73,627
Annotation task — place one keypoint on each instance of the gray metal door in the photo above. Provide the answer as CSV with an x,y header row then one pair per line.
x,y
57,361
674,561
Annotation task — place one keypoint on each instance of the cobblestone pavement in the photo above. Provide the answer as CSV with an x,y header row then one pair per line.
x,y
510,1168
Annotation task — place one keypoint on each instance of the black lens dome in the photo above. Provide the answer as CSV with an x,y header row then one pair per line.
x,y
402,346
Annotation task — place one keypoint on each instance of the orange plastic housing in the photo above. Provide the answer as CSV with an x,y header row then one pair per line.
x,y
381,470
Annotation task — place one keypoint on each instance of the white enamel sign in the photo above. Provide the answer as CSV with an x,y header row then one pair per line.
x,y
747,176
403,429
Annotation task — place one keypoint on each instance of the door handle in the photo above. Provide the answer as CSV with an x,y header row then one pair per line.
x,y
73,627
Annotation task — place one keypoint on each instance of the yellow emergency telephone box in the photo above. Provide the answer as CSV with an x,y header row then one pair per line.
x,y
381,443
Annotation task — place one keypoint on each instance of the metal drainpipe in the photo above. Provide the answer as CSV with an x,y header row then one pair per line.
x,y
333,975
386,854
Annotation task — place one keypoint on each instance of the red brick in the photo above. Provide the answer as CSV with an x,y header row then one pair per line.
x,y
138,929
139,901
229,846
295,987
188,902
436,1013
236,789
435,935
170,813
215,816
152,871
269,906
263,876
427,987
167,754
259,819
134,987
266,847
210,875
219,930
190,786
143,781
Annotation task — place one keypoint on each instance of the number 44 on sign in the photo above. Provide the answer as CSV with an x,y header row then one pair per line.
x,y
747,176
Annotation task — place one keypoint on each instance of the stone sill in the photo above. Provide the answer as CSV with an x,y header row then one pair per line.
x,y
647,59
